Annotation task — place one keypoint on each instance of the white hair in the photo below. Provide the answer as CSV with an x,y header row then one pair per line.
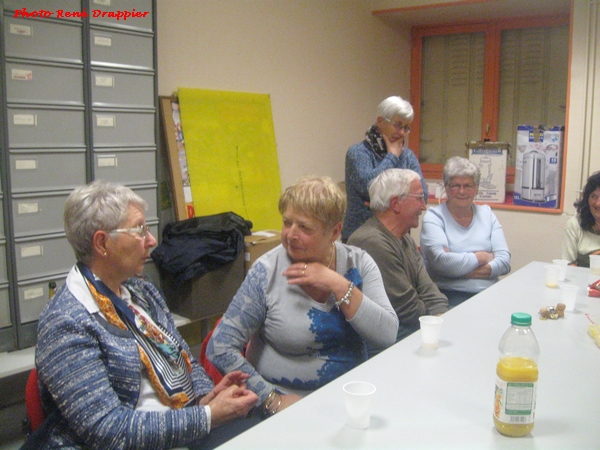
x,y
390,183
395,106
101,205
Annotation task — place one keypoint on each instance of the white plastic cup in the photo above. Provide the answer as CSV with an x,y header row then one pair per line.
x,y
568,296
430,331
595,264
359,399
562,263
552,274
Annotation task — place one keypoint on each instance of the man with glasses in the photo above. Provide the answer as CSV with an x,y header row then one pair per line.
x,y
397,201
384,147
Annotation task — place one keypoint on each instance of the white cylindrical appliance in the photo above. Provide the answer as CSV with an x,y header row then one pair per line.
x,y
533,176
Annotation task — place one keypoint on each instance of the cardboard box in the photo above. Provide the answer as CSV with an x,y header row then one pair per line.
x,y
257,244
538,166
207,295
491,158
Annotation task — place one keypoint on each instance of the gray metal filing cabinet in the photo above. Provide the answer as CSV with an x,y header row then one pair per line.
x,y
79,103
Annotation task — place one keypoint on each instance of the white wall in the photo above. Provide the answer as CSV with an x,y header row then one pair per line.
x,y
326,65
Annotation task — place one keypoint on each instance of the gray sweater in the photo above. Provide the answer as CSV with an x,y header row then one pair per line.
x,y
408,286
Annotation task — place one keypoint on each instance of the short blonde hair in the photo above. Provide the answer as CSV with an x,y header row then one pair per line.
x,y
317,197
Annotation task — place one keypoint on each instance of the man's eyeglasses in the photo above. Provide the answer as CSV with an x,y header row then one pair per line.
x,y
141,231
419,197
399,126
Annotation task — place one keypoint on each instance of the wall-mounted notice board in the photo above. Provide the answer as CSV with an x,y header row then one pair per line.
x,y
173,134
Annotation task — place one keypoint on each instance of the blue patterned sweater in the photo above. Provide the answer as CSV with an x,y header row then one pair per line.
x,y
90,374
295,343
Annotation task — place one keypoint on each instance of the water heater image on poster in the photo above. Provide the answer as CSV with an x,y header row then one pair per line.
x,y
533,176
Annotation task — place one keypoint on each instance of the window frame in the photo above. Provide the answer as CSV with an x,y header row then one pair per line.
x,y
491,84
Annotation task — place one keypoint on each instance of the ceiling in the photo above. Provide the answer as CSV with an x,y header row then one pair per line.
x,y
395,12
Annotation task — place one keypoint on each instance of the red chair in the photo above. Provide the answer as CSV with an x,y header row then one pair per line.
x,y
33,402
211,370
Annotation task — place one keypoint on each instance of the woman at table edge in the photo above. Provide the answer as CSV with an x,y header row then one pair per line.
x,y
582,232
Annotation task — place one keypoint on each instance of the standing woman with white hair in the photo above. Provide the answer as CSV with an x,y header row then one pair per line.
x,y
463,244
383,148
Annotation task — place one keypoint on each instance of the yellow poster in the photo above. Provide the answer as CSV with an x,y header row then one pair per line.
x,y
231,154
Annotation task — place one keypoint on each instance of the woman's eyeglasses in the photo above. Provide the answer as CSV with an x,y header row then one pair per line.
x,y
141,231
399,126
457,187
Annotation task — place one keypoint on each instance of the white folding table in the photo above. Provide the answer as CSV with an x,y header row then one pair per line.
x,y
443,398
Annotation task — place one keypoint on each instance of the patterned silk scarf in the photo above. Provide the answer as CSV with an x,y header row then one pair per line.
x,y
375,140
167,364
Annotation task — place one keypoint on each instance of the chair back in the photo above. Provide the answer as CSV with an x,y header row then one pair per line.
x,y
33,401
211,370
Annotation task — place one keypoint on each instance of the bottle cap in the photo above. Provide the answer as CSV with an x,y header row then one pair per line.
x,y
520,319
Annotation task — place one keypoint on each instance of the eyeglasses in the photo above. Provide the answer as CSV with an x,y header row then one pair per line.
x,y
457,187
399,126
419,197
142,230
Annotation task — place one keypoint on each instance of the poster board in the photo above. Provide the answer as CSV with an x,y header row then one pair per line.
x,y
232,154
490,158
175,147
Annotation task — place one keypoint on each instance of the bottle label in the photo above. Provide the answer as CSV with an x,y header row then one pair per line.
x,y
515,402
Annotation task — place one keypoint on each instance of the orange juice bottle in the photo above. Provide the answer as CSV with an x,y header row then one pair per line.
x,y
517,375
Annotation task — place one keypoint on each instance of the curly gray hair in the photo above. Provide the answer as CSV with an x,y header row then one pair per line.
x,y
395,106
461,167
100,205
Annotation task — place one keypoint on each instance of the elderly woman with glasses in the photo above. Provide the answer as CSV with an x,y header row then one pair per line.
x,y
307,309
113,370
383,148
463,244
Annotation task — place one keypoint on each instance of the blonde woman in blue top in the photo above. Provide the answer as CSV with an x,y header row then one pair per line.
x,y
308,308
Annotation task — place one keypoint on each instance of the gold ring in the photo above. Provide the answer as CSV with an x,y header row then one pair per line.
x,y
304,269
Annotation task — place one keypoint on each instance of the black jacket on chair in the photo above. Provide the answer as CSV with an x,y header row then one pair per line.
x,y
193,247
